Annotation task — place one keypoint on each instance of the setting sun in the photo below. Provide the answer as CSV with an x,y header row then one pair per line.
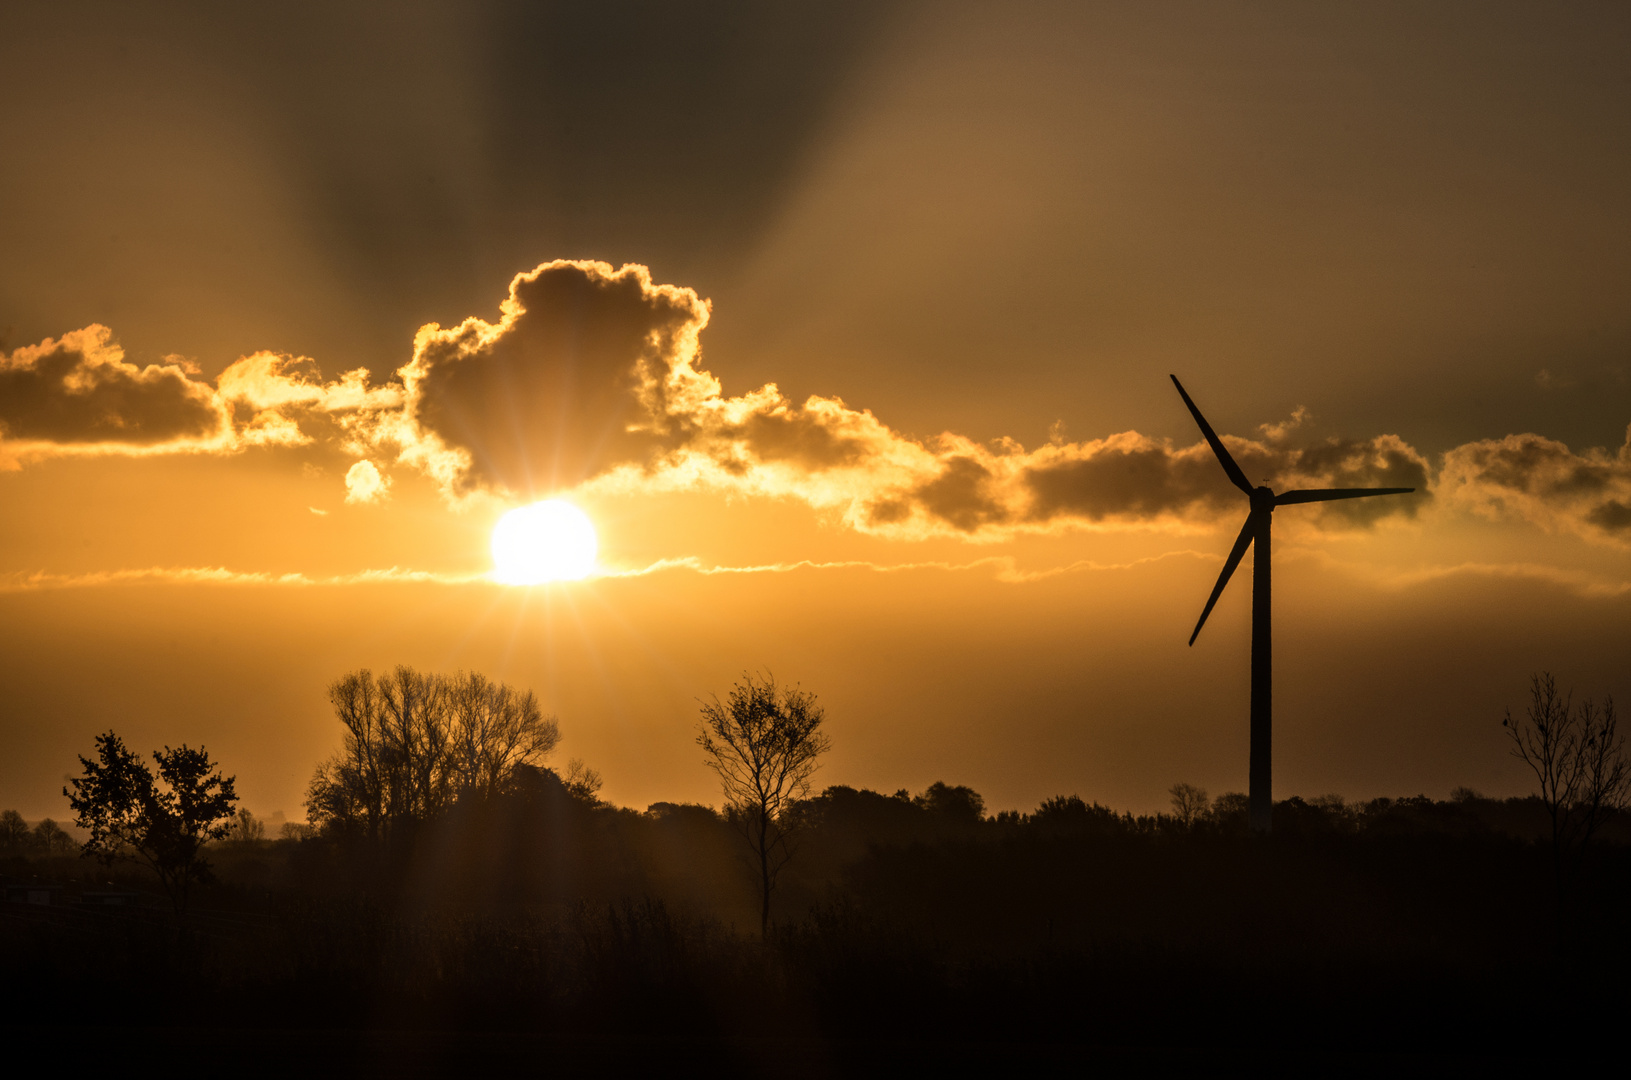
x,y
547,541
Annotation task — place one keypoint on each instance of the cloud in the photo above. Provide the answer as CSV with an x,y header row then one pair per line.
x,y
587,368
26,582
364,484
78,390
77,395
592,379
1299,416
1539,480
592,376
1003,568
276,399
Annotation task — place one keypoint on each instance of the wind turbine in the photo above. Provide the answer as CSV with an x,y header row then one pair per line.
x,y
1256,533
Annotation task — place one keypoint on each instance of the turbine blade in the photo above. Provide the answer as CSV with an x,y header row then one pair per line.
x,y
1224,459
1289,498
1242,542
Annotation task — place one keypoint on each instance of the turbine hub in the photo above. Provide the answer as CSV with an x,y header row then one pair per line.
x,y
1263,499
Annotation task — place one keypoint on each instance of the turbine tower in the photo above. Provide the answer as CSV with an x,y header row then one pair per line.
x,y
1255,533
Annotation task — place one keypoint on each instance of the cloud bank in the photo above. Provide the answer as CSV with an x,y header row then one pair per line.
x,y
593,377
592,380
1539,480
78,391
77,395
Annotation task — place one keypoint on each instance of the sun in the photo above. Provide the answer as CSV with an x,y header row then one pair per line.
x,y
547,541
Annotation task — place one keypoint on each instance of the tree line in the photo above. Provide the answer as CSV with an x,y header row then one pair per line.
x,y
46,837
416,746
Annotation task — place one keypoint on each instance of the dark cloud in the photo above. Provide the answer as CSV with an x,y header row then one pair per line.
x,y
1131,477
796,436
1613,517
1380,462
1520,463
1140,480
79,390
1533,478
961,495
573,381
1585,479
77,395
888,512
592,368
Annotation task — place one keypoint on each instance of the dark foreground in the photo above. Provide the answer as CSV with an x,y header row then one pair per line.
x,y
1087,941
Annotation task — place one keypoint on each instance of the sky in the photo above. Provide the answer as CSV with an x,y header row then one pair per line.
x,y
849,326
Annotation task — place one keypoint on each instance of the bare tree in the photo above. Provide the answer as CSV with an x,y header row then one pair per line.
x,y
1578,756
351,787
1189,804
417,742
246,828
418,738
495,727
50,838
13,831
764,742
582,781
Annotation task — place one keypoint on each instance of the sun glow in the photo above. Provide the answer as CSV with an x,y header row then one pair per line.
x,y
547,541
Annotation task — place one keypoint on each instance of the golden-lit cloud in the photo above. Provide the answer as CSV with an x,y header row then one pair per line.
x,y
1535,479
593,376
592,380
77,392
587,368
1003,568
37,581
365,484
274,399
77,395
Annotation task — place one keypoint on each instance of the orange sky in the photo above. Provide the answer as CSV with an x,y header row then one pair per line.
x,y
858,364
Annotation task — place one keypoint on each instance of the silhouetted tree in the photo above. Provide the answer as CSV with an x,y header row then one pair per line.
x,y
131,817
1578,756
49,839
1189,804
1339,816
416,742
954,805
582,781
1069,814
246,828
13,831
856,819
495,727
764,742
1231,812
